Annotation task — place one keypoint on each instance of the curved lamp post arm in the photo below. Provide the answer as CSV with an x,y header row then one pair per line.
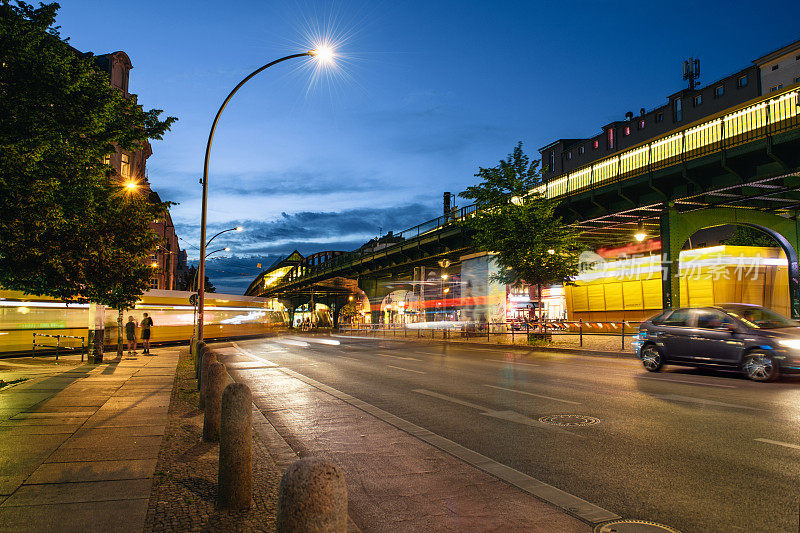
x,y
220,233
201,269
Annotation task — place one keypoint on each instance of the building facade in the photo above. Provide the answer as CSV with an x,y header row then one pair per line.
x,y
130,167
780,68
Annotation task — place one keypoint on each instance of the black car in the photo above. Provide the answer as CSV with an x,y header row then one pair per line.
x,y
760,342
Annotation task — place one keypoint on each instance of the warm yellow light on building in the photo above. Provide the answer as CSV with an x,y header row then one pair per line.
x,y
350,298
154,264
640,235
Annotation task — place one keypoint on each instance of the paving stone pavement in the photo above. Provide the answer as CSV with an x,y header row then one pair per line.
x,y
183,496
79,444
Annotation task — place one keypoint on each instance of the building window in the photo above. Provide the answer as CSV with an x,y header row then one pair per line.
x,y
125,166
775,67
698,100
107,160
797,79
742,82
659,117
580,150
610,138
596,144
569,155
677,110
719,91
797,57
641,124
552,161
154,283
627,130
777,87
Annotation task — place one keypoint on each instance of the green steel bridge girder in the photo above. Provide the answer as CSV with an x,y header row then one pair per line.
x,y
677,227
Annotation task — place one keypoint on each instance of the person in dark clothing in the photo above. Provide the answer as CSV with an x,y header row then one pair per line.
x,y
147,322
130,335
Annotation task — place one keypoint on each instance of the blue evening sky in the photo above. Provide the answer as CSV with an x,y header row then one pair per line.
x,y
426,91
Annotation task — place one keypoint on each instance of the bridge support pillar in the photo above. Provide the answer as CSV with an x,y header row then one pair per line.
x,y
670,269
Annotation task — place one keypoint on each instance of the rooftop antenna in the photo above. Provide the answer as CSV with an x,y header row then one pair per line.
x,y
691,72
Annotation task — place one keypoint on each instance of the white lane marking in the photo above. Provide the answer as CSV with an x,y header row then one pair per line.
x,y
407,369
689,382
779,443
512,362
291,342
511,416
399,357
317,340
532,394
450,399
704,401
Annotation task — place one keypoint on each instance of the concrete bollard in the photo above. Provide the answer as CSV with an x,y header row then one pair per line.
x,y
215,380
208,359
312,497
235,481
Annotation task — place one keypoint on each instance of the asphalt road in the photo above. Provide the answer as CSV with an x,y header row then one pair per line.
x,y
696,450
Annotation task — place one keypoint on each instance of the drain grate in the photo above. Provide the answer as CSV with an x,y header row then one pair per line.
x,y
633,526
570,420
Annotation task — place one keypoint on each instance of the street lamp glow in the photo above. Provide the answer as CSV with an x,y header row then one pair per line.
x,y
323,53
640,235
239,228
154,264
227,248
444,276
131,186
551,251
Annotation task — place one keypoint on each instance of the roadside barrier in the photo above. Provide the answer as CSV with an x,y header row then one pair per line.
x,y
209,358
500,332
215,380
235,480
312,497
58,346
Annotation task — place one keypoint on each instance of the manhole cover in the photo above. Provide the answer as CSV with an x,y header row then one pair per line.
x,y
570,420
633,526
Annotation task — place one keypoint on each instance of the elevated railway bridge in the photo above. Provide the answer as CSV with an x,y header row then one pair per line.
x,y
741,166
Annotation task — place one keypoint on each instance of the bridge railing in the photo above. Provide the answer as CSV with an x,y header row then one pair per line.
x,y
613,335
767,115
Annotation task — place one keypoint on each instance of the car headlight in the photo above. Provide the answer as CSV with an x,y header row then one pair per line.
x,y
794,344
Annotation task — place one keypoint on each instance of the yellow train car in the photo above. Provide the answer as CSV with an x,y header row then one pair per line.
x,y
630,289
173,316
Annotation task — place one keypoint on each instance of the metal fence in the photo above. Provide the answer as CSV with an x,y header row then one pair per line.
x,y
500,332
58,346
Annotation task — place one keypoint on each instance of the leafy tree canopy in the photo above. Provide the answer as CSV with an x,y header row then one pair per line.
x,y
747,236
188,281
66,228
532,244
513,176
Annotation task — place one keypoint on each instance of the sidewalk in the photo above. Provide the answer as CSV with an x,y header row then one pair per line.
x,y
397,478
79,444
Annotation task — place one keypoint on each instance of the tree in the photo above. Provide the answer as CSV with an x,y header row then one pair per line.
x,y
59,118
66,228
748,236
188,281
531,244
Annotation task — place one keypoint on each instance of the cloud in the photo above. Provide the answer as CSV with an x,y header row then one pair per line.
x,y
312,231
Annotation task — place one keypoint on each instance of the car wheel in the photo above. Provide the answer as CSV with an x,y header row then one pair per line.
x,y
760,366
651,358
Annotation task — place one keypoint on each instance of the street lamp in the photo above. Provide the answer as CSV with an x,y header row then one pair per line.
x,y
237,228
640,235
324,54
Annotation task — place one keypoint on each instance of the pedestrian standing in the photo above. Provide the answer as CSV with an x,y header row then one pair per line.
x,y
147,322
130,335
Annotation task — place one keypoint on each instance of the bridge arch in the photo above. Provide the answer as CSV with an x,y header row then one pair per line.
x,y
677,227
